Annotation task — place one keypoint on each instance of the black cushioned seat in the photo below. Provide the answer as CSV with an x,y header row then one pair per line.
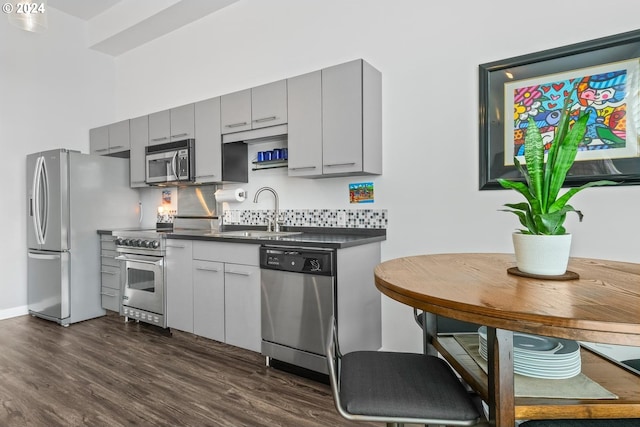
x,y
397,388
622,422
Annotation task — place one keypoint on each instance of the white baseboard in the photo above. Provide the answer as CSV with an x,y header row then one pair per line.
x,y
7,313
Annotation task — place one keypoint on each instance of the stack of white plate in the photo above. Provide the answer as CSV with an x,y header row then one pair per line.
x,y
540,357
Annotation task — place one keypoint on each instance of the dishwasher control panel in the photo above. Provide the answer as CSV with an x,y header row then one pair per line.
x,y
306,261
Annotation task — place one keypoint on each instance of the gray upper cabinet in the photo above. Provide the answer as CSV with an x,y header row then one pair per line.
x,y
236,111
208,141
254,108
159,127
171,125
339,110
269,104
109,139
305,125
139,136
182,122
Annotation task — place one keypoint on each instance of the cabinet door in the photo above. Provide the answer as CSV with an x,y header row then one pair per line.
x,y
208,141
99,140
235,111
305,124
242,306
119,136
139,137
182,122
159,127
179,276
269,104
208,299
342,118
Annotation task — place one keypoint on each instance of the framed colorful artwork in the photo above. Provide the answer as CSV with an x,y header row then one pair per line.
x,y
606,74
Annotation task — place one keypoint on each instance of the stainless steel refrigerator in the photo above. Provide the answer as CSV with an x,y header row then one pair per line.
x,y
70,196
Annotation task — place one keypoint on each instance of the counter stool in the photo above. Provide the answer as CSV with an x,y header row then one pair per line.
x,y
619,422
397,388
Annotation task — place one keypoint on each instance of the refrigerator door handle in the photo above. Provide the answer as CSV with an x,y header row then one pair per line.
x,y
37,225
47,257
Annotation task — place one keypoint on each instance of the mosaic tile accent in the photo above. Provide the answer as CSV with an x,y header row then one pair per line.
x,y
354,218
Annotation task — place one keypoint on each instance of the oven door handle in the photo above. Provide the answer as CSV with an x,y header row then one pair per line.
x,y
126,258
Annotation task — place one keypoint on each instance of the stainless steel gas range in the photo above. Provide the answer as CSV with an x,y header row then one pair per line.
x,y
142,254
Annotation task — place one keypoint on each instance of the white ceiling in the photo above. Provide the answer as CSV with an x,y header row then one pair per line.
x,y
83,9
118,26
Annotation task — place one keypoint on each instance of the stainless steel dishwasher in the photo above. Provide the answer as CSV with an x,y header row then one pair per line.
x,y
297,301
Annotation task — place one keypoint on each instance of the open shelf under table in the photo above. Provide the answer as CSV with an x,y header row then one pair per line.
x,y
617,380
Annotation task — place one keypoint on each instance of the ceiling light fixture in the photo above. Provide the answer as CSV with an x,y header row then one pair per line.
x,y
29,15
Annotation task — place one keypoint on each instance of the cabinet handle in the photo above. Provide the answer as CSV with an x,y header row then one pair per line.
x,y
179,135
205,176
301,168
162,138
215,270
100,150
340,164
176,246
265,119
239,273
107,294
235,125
108,272
117,146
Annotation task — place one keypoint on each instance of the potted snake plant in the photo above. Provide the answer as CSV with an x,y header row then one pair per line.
x,y
542,247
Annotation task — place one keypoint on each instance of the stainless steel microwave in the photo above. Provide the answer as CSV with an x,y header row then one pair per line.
x,y
173,162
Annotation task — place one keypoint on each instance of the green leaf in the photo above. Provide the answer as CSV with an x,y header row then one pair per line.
x,y
522,189
561,201
567,150
534,155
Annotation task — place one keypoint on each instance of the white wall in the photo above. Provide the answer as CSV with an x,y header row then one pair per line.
x,y
52,90
428,53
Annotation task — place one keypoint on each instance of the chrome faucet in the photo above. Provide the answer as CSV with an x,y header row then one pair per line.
x,y
276,215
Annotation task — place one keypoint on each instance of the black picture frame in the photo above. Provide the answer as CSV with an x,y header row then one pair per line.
x,y
492,78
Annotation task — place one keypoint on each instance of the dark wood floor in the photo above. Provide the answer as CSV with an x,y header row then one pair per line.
x,y
103,372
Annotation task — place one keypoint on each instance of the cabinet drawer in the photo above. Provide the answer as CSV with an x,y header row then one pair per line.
x,y
109,258
237,253
110,299
108,245
110,276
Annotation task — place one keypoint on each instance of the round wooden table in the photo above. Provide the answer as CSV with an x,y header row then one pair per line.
x,y
603,305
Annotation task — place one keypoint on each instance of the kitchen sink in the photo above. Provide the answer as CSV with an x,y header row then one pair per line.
x,y
257,234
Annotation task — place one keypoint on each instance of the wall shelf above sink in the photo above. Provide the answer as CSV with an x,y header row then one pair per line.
x,y
269,164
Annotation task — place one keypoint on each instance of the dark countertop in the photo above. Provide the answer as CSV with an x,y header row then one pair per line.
x,y
318,237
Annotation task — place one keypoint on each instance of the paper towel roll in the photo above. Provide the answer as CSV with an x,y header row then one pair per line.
x,y
231,196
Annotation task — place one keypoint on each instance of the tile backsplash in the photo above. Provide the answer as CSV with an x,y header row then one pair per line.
x,y
339,218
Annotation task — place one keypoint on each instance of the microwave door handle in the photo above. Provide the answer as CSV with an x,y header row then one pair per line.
x,y
174,161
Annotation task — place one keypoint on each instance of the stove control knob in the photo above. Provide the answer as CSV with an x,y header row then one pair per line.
x,y
154,244
145,244
139,243
125,242
119,241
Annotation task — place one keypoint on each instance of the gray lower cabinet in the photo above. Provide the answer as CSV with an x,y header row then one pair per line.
x,y
347,126
109,139
139,137
242,306
179,275
110,274
208,299
240,291
213,290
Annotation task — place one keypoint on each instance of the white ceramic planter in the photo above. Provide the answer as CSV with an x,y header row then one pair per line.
x,y
544,255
